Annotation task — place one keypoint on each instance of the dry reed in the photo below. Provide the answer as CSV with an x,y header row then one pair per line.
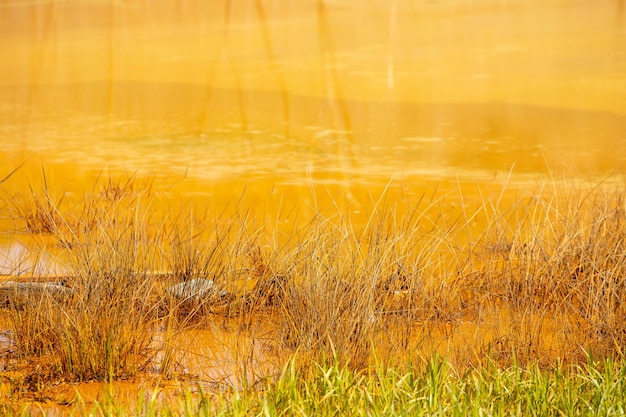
x,y
536,278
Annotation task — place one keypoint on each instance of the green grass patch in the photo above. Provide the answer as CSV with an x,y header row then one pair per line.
x,y
430,388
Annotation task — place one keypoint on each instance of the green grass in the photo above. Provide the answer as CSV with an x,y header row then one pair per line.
x,y
429,388
437,389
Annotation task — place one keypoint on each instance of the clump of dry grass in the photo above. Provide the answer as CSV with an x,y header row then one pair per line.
x,y
344,289
39,212
103,327
553,267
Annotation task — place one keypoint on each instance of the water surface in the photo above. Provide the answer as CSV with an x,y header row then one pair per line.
x,y
285,93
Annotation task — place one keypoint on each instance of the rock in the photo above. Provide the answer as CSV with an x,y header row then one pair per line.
x,y
17,292
195,289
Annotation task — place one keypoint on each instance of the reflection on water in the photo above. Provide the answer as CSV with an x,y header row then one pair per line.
x,y
314,89
18,260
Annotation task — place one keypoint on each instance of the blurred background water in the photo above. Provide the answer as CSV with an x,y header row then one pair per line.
x,y
275,95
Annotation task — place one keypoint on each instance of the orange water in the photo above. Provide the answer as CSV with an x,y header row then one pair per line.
x,y
274,95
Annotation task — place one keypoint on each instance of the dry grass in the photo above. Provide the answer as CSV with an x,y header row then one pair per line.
x,y
103,327
537,278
